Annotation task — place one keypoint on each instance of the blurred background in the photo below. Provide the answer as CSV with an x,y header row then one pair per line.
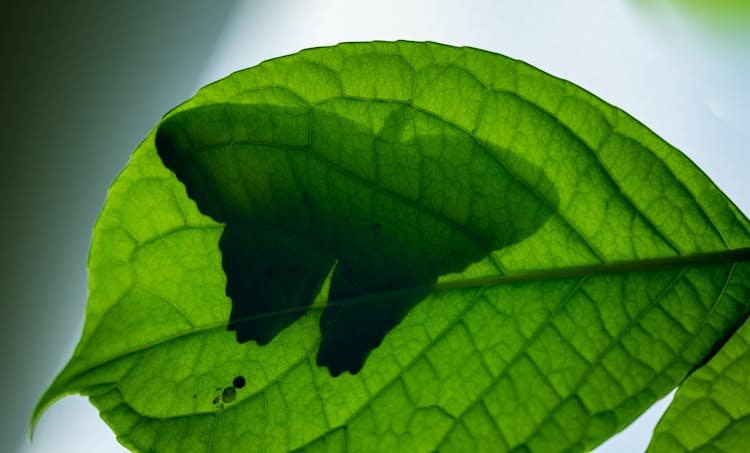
x,y
83,83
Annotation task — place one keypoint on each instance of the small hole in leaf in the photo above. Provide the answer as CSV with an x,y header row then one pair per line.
x,y
238,382
229,394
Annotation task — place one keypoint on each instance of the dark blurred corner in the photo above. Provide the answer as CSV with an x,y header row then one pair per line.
x,y
82,84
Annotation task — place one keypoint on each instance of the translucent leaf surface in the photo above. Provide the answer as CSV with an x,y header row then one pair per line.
x,y
711,410
401,247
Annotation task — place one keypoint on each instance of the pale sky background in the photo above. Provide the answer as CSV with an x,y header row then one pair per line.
x,y
87,84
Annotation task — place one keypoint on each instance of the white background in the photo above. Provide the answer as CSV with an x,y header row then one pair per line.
x,y
682,73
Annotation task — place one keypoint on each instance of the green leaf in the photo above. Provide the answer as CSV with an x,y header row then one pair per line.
x,y
400,247
711,410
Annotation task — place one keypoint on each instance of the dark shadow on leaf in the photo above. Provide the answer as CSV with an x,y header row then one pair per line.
x,y
298,189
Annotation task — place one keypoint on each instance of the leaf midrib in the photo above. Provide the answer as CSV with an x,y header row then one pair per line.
x,y
615,267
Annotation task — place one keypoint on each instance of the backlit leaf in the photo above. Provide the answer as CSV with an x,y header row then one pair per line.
x,y
400,247
711,410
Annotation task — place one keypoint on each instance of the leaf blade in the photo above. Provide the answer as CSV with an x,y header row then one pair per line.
x,y
601,214
710,409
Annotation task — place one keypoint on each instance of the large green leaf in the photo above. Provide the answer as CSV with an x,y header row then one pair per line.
x,y
401,246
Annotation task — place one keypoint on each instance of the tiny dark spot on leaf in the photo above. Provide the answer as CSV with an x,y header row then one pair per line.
x,y
229,394
375,226
216,400
305,196
195,396
238,382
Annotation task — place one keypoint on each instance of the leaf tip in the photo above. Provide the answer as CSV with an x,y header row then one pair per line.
x,y
50,396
